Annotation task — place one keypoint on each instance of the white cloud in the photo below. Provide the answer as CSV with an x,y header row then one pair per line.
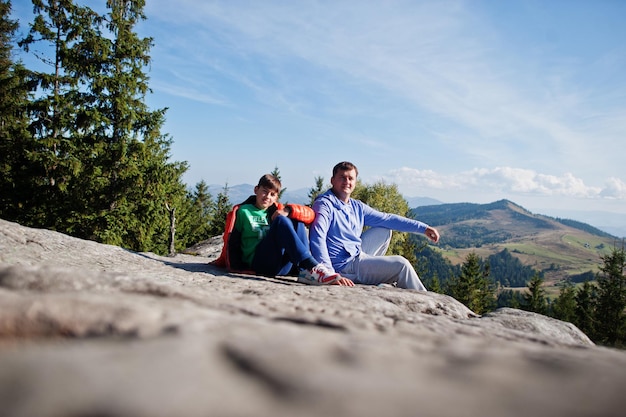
x,y
507,180
519,180
614,188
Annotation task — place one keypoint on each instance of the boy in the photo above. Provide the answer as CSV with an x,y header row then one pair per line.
x,y
268,238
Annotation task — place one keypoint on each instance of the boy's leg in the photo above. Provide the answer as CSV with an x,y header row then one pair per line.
x,y
375,241
303,235
281,248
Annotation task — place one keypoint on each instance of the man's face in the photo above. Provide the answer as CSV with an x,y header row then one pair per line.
x,y
343,182
265,197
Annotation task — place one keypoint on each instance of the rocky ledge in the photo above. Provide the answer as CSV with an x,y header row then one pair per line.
x,y
94,330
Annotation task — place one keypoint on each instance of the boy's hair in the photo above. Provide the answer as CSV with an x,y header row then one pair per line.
x,y
271,182
345,166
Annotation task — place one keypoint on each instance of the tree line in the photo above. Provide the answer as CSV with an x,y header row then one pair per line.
x,y
597,309
505,269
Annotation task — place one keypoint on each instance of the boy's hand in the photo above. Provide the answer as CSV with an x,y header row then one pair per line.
x,y
280,212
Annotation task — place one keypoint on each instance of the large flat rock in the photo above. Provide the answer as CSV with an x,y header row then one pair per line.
x,y
94,330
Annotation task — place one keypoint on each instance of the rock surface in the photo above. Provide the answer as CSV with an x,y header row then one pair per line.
x,y
94,330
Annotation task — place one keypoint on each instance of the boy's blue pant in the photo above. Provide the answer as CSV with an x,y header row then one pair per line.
x,y
285,245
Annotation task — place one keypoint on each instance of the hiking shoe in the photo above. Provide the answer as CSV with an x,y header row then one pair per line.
x,y
318,275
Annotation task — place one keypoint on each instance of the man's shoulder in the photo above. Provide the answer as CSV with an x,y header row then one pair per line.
x,y
324,198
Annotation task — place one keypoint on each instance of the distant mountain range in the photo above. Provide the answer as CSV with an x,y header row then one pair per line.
x,y
238,193
560,248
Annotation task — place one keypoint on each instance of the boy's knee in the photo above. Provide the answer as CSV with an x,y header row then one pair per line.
x,y
281,220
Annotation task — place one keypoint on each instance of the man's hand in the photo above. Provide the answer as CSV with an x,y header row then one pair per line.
x,y
344,282
432,234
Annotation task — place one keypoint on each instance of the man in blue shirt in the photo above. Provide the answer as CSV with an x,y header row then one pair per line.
x,y
337,240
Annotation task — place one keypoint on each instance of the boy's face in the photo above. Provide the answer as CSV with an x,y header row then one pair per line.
x,y
265,197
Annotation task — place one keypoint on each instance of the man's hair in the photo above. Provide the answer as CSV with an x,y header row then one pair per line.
x,y
271,182
345,166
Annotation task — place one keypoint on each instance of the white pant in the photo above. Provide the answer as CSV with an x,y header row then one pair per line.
x,y
371,267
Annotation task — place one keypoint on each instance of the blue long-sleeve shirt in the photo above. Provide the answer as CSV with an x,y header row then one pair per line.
x,y
335,234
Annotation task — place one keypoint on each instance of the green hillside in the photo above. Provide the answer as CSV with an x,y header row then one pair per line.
x,y
560,248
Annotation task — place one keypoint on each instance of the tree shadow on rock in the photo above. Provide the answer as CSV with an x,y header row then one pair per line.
x,y
206,267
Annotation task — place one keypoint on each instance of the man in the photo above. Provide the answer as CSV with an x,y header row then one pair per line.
x,y
337,240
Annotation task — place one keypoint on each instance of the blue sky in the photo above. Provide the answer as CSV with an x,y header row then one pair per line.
x,y
461,101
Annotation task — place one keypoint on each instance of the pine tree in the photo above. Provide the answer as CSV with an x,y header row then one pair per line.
x,y
276,173
222,207
55,157
535,299
509,298
473,287
196,223
610,317
139,179
564,307
316,190
585,309
434,285
15,140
